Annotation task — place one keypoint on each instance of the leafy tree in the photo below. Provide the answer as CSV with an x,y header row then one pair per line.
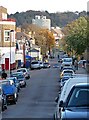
x,y
57,19
43,37
76,35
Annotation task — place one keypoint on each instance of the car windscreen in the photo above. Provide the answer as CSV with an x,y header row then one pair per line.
x,y
67,60
20,76
14,75
79,98
67,74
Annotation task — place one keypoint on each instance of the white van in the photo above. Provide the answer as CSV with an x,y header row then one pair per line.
x,y
70,83
67,61
66,90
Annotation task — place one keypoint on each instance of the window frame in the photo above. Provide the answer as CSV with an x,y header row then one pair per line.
x,y
6,36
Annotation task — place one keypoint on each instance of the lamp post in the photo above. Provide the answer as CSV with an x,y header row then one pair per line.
x,y
24,54
11,39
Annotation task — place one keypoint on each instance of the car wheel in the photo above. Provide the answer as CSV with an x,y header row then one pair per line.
x,y
28,77
5,106
25,84
14,101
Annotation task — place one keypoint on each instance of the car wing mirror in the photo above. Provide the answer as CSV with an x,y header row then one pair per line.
x,y
61,104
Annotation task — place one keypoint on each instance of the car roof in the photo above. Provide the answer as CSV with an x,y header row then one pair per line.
x,y
82,85
21,69
67,70
70,83
11,78
17,73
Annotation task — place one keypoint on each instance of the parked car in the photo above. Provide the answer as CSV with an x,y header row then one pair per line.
x,y
35,65
41,64
62,96
67,61
46,65
55,66
25,71
68,68
65,77
68,71
15,82
10,91
3,101
76,105
20,78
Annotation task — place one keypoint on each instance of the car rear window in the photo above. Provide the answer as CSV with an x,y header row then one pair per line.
x,y
21,70
34,63
68,72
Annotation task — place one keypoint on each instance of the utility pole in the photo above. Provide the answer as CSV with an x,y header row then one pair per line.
x,y
11,39
24,54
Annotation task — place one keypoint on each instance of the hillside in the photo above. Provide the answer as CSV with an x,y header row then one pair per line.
x,y
57,19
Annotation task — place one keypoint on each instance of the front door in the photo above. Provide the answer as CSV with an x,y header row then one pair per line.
x,y
6,63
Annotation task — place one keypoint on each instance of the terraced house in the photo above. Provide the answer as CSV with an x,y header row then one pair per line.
x,y
7,40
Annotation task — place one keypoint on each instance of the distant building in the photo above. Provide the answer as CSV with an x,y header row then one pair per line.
x,y
58,35
30,48
7,40
42,22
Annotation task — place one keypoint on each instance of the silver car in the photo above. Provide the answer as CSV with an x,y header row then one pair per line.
x,y
35,65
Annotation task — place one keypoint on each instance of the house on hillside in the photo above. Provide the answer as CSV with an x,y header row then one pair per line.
x,y
26,48
7,40
58,35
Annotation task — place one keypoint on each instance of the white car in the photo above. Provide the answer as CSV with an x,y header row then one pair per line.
x,y
35,65
41,64
25,71
67,61
68,71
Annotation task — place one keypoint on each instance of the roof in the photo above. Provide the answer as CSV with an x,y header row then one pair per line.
x,y
82,85
57,31
34,50
35,46
20,35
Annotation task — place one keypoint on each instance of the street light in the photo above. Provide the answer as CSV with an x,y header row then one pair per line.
x,y
11,39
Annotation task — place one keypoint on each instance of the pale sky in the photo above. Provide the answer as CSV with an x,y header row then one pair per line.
x,y
42,5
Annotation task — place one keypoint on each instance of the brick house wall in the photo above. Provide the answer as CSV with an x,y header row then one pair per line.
x,y
3,28
7,40
3,13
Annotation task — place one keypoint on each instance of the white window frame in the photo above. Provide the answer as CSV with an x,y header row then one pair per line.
x,y
6,36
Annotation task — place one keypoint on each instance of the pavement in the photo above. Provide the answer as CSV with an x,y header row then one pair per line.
x,y
81,71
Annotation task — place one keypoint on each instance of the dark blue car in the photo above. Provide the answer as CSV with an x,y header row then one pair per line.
x,y
15,81
11,92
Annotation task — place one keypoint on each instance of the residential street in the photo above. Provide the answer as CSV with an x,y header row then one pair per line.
x,y
37,100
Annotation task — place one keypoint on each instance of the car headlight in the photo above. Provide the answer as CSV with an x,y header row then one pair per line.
x,y
15,95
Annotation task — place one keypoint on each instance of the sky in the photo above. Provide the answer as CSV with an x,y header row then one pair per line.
x,y
51,6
